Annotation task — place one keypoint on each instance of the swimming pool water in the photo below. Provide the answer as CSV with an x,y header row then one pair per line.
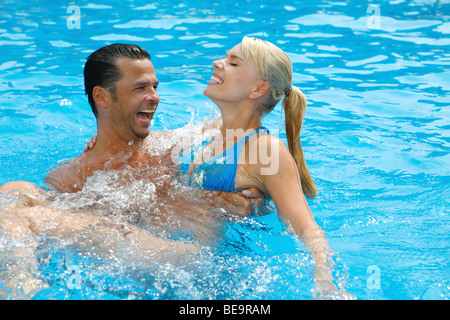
x,y
376,136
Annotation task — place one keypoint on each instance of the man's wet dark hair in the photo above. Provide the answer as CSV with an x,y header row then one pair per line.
x,y
101,68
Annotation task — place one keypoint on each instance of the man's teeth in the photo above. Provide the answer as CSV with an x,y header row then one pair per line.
x,y
215,79
148,111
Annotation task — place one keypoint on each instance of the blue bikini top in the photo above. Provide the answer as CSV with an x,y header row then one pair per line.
x,y
219,173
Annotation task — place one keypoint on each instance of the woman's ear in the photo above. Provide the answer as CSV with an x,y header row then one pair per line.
x,y
260,90
102,97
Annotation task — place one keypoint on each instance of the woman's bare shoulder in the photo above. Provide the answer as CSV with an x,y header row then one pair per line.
x,y
270,143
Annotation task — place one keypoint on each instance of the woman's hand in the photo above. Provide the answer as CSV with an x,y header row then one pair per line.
x,y
327,290
91,143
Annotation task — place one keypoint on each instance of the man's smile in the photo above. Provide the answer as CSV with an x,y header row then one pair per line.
x,y
145,115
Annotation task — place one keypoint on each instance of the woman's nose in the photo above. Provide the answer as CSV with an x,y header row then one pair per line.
x,y
218,64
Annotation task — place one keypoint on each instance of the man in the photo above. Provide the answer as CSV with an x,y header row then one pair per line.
x,y
121,86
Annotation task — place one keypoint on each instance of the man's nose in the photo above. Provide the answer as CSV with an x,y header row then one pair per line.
x,y
152,96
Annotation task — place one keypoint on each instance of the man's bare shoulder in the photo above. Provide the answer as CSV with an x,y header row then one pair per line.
x,y
68,176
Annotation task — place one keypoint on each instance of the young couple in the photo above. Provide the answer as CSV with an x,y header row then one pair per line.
x,y
246,85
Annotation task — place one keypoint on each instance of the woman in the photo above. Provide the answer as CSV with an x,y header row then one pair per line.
x,y
246,85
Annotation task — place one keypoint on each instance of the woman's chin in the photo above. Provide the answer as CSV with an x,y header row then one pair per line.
x,y
207,91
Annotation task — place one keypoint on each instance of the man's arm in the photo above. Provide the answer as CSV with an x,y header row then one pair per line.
x,y
246,202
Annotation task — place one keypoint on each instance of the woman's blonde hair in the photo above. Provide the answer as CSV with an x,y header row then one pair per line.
x,y
274,66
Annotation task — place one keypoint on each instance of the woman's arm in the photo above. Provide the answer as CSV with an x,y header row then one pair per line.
x,y
285,190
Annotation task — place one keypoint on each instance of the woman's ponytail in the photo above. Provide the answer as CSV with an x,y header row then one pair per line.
x,y
294,104
275,67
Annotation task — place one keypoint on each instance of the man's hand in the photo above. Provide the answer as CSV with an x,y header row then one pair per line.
x,y
91,143
245,202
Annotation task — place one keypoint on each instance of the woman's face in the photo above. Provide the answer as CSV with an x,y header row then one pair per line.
x,y
233,79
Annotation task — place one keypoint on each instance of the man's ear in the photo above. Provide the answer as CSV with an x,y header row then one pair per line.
x,y
260,90
102,97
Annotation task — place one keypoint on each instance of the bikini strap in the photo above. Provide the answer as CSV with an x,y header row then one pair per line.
x,y
240,144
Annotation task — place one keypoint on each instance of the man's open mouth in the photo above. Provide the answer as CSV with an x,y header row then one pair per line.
x,y
145,115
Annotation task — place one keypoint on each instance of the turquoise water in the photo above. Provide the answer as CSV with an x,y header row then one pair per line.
x,y
376,136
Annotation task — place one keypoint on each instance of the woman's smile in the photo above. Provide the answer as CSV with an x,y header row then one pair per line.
x,y
215,79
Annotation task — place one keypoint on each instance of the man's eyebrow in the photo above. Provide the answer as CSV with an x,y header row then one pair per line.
x,y
145,83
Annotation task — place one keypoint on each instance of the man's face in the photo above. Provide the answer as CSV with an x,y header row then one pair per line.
x,y
136,98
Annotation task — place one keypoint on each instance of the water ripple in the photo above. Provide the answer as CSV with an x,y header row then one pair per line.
x,y
376,133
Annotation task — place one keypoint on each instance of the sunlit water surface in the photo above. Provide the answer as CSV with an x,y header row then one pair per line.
x,y
376,137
